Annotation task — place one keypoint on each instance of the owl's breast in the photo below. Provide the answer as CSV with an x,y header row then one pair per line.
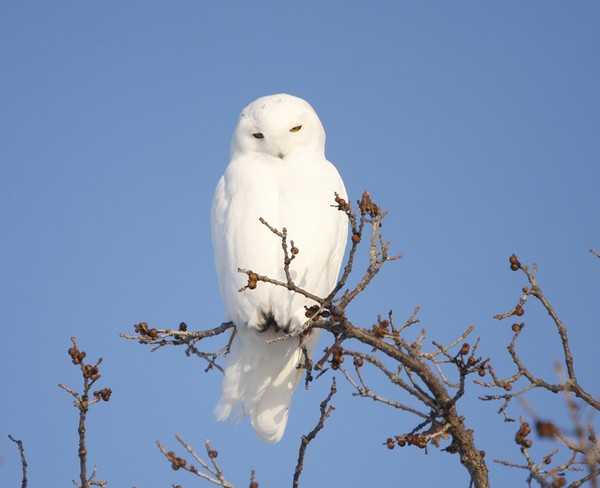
x,y
291,196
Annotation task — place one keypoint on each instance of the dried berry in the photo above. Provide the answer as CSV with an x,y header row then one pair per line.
x,y
546,429
341,203
141,328
311,311
104,395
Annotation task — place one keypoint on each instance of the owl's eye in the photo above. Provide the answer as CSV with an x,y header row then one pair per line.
x,y
296,129
258,135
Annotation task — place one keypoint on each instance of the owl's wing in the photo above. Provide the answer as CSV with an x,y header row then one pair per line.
x,y
218,216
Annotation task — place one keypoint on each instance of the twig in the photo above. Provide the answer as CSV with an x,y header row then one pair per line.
x,y
306,439
214,474
82,402
571,384
364,391
19,444
169,337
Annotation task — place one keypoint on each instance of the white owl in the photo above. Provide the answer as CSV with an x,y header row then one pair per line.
x,y
277,171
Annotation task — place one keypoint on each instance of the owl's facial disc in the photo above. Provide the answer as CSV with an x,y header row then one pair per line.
x,y
274,141
281,127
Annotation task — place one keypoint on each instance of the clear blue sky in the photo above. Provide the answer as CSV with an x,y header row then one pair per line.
x,y
475,124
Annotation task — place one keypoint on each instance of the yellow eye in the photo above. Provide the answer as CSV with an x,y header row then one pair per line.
x,y
296,129
258,135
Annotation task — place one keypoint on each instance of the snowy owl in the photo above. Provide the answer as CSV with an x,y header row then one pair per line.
x,y
277,171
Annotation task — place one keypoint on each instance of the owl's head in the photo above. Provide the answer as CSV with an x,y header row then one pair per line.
x,y
279,126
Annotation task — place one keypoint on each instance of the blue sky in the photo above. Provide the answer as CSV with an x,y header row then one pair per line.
x,y
475,124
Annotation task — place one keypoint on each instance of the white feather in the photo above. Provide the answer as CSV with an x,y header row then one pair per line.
x,y
284,178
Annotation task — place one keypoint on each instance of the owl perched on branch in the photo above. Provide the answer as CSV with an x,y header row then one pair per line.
x,y
277,172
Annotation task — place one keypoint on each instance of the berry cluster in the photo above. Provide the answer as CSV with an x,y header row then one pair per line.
x,y
176,462
514,263
418,440
103,394
336,357
367,206
313,312
91,372
143,329
342,204
380,329
521,435
252,280
76,355
472,363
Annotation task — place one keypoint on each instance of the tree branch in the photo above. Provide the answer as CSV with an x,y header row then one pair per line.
x,y
326,410
19,444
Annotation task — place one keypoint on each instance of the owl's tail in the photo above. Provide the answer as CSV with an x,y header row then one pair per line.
x,y
260,378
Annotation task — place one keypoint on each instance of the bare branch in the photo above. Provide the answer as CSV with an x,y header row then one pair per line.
x,y
83,402
571,384
212,474
19,444
168,337
326,410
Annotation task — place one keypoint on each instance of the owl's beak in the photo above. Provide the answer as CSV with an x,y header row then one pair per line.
x,y
280,155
